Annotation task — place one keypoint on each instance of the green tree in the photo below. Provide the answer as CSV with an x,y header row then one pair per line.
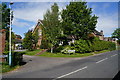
x,y
6,19
51,25
77,20
28,40
116,34
5,23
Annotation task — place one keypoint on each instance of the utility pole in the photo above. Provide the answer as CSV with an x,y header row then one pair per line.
x,y
10,54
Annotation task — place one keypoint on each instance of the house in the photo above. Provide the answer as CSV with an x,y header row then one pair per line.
x,y
39,29
110,39
70,39
98,34
18,42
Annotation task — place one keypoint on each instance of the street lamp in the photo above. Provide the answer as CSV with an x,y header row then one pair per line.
x,y
10,55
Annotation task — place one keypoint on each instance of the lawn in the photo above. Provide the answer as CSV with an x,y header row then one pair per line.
x,y
48,54
32,52
6,68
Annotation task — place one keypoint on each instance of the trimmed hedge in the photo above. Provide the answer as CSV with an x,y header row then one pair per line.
x,y
17,58
85,46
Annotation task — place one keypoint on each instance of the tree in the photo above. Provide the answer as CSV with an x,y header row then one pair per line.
x,y
28,40
51,25
77,20
5,23
6,19
116,34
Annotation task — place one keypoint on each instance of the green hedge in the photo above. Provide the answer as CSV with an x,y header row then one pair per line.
x,y
17,58
85,46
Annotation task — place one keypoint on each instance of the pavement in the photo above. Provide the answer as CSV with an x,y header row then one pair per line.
x,y
104,65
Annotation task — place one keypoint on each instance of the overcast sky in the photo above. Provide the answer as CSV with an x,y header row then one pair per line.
x,y
26,15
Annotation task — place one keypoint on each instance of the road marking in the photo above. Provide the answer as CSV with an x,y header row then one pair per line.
x,y
101,60
113,55
71,73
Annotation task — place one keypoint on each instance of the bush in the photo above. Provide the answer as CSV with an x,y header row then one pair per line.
x,y
17,58
81,46
58,49
85,46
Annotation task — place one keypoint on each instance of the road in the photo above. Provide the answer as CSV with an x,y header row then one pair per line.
x,y
104,65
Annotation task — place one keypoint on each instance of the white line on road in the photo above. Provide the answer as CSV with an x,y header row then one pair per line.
x,y
113,55
71,73
101,60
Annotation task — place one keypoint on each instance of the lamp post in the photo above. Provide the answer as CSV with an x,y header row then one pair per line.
x,y
10,55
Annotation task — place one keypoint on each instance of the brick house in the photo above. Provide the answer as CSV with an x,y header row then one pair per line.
x,y
18,42
2,40
39,29
96,33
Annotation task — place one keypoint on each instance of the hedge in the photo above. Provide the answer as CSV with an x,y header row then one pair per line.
x,y
17,58
86,46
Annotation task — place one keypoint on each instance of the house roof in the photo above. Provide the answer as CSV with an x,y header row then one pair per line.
x,y
97,33
18,41
38,23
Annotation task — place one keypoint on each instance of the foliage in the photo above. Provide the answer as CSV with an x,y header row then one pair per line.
x,y
81,46
98,45
65,50
32,52
86,46
28,40
77,20
6,68
116,34
6,19
51,25
16,58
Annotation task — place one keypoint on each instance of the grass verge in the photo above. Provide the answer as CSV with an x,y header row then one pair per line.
x,y
48,54
6,68
32,52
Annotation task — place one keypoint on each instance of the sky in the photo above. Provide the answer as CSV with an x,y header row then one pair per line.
x,y
26,15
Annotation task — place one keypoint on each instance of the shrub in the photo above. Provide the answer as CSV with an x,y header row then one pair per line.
x,y
85,46
16,58
58,49
81,46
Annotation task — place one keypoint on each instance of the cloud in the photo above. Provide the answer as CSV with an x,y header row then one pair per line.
x,y
107,23
18,23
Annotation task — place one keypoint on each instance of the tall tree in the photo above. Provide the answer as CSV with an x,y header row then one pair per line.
x,y
6,19
77,20
28,40
116,34
5,23
51,25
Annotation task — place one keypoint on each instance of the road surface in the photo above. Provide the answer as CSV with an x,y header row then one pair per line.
x,y
104,65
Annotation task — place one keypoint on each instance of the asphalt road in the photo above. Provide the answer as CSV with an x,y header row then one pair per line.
x,y
104,65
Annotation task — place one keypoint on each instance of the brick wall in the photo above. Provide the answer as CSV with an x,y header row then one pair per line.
x,y
2,41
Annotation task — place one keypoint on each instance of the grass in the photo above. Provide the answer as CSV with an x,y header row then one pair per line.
x,y
48,54
101,51
32,52
6,68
